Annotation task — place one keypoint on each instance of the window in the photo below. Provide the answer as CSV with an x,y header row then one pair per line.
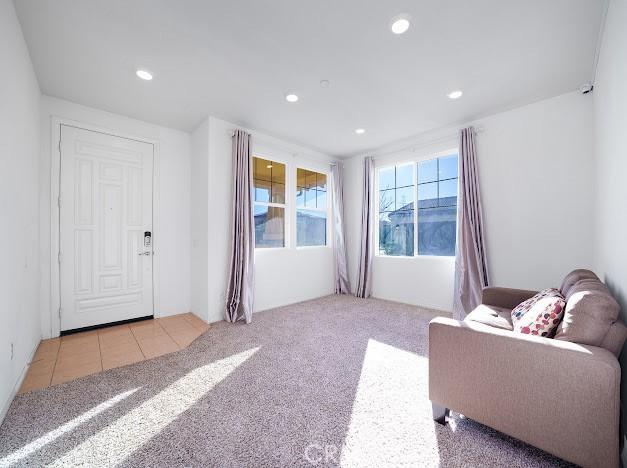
x,y
433,183
269,204
311,208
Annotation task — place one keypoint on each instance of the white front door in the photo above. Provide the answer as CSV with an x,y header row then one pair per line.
x,y
106,210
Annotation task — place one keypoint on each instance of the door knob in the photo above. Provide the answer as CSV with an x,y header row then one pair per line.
x,y
147,253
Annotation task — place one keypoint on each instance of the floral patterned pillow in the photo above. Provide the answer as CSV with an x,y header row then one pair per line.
x,y
543,317
524,307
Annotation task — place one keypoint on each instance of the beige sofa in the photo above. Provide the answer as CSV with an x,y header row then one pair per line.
x,y
558,395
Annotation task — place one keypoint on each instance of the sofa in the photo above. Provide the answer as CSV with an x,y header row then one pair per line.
x,y
554,393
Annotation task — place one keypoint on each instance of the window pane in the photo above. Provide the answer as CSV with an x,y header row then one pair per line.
x,y
278,172
396,233
386,200
428,171
262,191
386,178
428,195
322,199
310,198
269,226
301,177
404,175
310,181
262,169
448,192
437,231
278,193
321,181
405,198
448,167
300,197
311,228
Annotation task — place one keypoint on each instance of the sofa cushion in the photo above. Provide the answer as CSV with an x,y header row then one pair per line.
x,y
573,277
494,316
543,317
590,312
615,338
521,309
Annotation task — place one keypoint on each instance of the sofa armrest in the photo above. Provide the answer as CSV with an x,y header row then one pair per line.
x,y
556,395
507,298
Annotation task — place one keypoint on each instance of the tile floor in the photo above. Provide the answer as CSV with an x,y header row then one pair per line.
x,y
67,358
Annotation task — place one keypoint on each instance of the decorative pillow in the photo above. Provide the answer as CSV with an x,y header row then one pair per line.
x,y
524,307
543,317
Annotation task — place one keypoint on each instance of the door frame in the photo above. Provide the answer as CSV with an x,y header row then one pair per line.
x,y
55,221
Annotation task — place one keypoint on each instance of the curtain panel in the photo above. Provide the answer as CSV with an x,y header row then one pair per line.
x,y
342,284
239,295
471,265
364,280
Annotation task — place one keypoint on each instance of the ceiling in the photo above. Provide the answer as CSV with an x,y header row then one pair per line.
x,y
237,59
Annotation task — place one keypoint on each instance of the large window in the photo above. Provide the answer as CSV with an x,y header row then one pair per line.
x,y
269,209
433,184
311,208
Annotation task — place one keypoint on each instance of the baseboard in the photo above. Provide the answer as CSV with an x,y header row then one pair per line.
x,y
18,383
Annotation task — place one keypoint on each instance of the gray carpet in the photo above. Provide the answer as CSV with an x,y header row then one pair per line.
x,y
330,382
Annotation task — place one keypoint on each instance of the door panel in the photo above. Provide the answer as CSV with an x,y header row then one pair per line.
x,y
106,206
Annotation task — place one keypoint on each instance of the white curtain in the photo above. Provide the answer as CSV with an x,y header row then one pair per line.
x,y
342,284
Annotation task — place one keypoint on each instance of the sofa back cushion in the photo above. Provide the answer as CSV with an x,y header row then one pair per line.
x,y
615,338
590,312
574,277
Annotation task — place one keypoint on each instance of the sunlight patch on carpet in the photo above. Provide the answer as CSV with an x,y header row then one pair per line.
x,y
119,440
391,422
64,429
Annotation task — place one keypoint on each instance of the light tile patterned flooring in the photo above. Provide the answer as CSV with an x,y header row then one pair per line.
x,y
73,356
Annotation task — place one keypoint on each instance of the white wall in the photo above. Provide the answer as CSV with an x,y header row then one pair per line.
x,y
172,217
282,276
19,206
536,173
536,170
200,221
610,115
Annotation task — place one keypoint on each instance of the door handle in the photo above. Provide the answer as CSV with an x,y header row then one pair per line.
x,y
147,253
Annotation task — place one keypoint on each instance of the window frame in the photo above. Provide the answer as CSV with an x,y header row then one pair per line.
x,y
327,172
415,161
286,206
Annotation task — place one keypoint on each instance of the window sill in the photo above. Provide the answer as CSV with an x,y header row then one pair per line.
x,y
270,249
313,247
426,257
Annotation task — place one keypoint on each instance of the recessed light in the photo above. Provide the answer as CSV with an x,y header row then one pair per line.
x,y
144,75
291,97
400,24
360,131
455,94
